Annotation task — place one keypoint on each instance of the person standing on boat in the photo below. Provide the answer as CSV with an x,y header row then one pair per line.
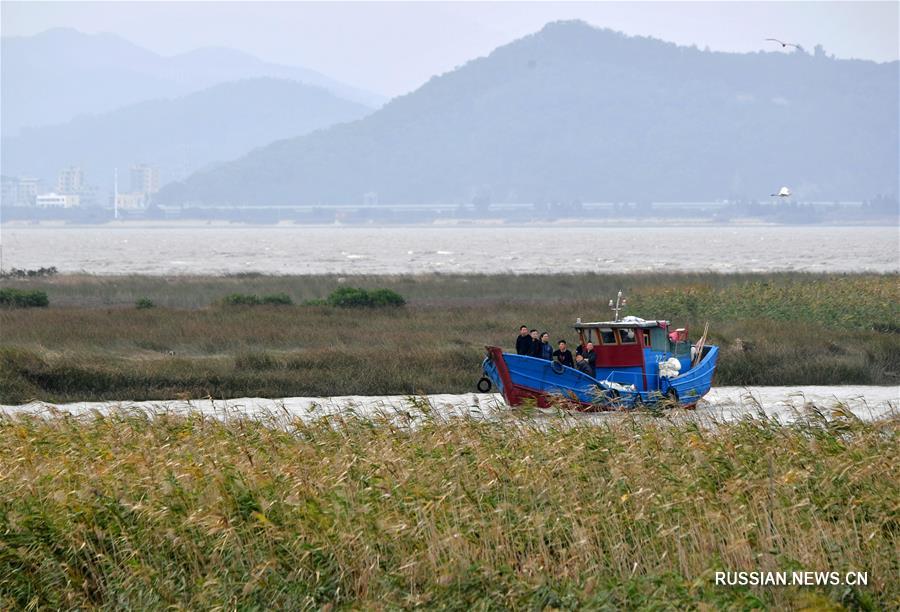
x,y
535,343
591,357
545,351
523,342
582,365
563,355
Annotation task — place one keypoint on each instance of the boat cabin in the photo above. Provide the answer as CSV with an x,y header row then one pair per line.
x,y
630,350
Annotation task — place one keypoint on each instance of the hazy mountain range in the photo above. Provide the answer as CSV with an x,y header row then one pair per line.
x,y
177,135
575,112
54,76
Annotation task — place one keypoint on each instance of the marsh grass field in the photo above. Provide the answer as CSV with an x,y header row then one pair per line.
x,y
93,343
155,509
137,510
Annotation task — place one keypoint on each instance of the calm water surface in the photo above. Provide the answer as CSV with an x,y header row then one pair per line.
x,y
722,404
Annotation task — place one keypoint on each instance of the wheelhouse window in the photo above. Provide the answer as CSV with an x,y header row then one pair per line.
x,y
607,336
627,336
646,333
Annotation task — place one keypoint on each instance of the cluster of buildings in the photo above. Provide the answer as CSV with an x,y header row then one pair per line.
x,y
18,191
73,191
144,184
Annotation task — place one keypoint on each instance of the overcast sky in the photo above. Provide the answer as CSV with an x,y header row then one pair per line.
x,y
393,47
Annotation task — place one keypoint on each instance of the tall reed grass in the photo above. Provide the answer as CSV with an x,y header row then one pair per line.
x,y
148,511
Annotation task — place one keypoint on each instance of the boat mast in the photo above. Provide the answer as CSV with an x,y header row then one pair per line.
x,y
619,305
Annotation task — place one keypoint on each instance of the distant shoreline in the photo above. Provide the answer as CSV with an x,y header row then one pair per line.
x,y
660,222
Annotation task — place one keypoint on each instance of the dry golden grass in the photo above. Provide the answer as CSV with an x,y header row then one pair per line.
x,y
75,354
795,329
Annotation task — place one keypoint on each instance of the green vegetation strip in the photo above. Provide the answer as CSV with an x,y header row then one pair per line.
x,y
148,512
828,298
251,299
93,343
23,298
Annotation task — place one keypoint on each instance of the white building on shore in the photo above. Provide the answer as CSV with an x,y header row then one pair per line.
x,y
57,200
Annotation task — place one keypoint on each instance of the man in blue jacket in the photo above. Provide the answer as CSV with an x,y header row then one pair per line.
x,y
543,350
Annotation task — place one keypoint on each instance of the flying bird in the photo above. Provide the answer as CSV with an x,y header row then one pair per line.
x,y
783,44
784,192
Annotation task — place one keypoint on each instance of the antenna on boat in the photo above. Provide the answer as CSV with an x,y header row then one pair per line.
x,y
619,304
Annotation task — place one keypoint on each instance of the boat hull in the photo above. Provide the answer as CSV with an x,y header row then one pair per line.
x,y
526,380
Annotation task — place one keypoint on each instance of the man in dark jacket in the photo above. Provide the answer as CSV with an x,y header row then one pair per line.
x,y
563,355
582,365
535,344
591,357
523,342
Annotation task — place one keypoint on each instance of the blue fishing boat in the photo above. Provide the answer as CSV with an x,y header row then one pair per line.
x,y
638,362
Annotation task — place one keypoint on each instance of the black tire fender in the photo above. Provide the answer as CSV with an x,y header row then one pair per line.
x,y
484,384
